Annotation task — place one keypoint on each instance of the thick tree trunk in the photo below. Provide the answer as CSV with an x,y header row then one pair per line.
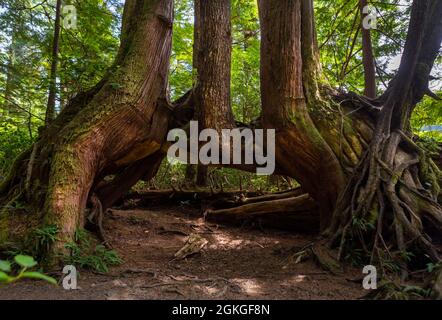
x,y
389,207
289,90
122,120
353,155
213,60
212,63
375,187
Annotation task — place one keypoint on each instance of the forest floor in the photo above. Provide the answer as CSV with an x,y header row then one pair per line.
x,y
237,263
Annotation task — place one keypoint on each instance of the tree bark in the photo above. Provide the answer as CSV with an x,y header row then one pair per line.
x,y
50,107
289,88
385,199
122,120
212,64
367,56
376,189
354,155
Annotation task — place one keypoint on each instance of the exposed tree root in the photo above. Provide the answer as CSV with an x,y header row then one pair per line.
x,y
95,220
388,212
437,288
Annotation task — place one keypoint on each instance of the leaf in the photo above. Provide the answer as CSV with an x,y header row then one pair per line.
x,y
25,261
4,277
430,267
40,276
5,266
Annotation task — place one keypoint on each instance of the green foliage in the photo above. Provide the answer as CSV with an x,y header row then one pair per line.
x,y
226,178
245,83
362,225
340,40
14,138
85,253
356,257
428,113
434,267
42,238
24,263
393,291
87,51
26,32
181,65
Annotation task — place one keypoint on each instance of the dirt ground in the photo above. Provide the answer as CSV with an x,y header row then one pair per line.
x,y
237,263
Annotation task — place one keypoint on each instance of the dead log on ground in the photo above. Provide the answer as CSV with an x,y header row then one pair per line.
x,y
298,213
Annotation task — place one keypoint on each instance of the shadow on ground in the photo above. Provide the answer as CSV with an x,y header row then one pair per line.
x,y
237,263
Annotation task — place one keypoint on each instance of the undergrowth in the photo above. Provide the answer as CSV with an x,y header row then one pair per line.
x,y
24,265
87,254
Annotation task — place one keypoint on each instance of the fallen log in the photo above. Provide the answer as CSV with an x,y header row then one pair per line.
x,y
295,213
210,198
273,196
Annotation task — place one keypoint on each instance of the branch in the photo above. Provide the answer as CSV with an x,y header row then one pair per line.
x,y
21,108
431,94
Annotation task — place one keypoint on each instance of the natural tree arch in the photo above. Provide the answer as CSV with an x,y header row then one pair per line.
x,y
355,156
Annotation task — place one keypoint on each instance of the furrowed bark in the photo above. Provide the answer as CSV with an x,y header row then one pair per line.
x,y
212,63
112,126
301,151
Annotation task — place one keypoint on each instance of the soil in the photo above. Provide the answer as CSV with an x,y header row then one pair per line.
x,y
237,263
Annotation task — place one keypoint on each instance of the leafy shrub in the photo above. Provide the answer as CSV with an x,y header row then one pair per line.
x,y
42,238
86,254
12,142
25,263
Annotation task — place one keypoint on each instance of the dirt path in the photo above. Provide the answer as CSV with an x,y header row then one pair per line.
x,y
237,263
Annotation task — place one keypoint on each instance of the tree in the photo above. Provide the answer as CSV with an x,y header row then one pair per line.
x,y
355,156
121,120
375,186
367,55
50,107
212,91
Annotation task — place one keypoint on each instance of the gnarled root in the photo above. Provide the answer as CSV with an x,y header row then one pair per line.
x,y
385,212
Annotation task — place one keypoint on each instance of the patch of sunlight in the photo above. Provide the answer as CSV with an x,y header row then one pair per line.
x,y
299,278
227,242
249,286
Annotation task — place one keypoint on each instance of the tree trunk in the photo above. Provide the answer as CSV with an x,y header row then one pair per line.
x,y
50,107
393,192
212,63
376,189
367,56
355,156
289,91
122,120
